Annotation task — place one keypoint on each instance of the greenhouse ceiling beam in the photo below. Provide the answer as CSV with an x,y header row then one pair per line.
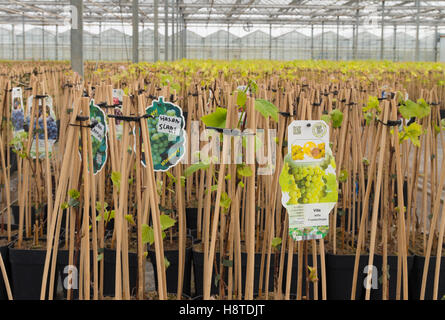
x,y
190,11
17,19
33,8
50,5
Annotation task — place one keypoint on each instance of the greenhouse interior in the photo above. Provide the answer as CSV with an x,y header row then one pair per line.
x,y
222,150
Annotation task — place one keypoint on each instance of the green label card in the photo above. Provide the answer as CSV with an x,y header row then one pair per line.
x,y
167,134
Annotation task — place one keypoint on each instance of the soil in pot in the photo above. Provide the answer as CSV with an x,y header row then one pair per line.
x,y
170,296
27,264
172,254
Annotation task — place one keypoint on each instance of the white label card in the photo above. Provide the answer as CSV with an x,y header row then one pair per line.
x,y
169,124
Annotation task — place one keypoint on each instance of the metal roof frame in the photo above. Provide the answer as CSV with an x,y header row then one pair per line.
x,y
234,12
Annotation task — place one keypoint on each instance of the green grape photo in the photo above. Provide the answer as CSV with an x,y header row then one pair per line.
x,y
167,138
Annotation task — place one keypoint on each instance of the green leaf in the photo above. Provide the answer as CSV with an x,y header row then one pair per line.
x,y
64,206
326,118
176,86
241,98
252,85
369,117
216,119
343,176
411,132
195,167
100,206
116,179
225,200
171,176
166,262
73,203
373,103
228,177
166,221
241,184
276,242
98,218
244,170
148,235
228,263
100,257
74,194
212,188
267,109
337,118
129,218
217,278
411,109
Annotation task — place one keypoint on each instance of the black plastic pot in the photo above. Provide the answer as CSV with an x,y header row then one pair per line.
x,y
339,274
191,216
27,272
16,212
415,281
13,160
256,276
377,294
198,271
110,271
4,251
171,274
294,278
62,270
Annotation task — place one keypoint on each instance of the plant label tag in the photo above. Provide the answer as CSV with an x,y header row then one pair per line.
x,y
118,95
308,180
17,116
170,125
99,139
98,132
51,127
166,127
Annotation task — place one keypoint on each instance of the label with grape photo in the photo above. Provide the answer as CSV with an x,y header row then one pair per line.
x,y
17,111
308,180
98,137
167,135
46,118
